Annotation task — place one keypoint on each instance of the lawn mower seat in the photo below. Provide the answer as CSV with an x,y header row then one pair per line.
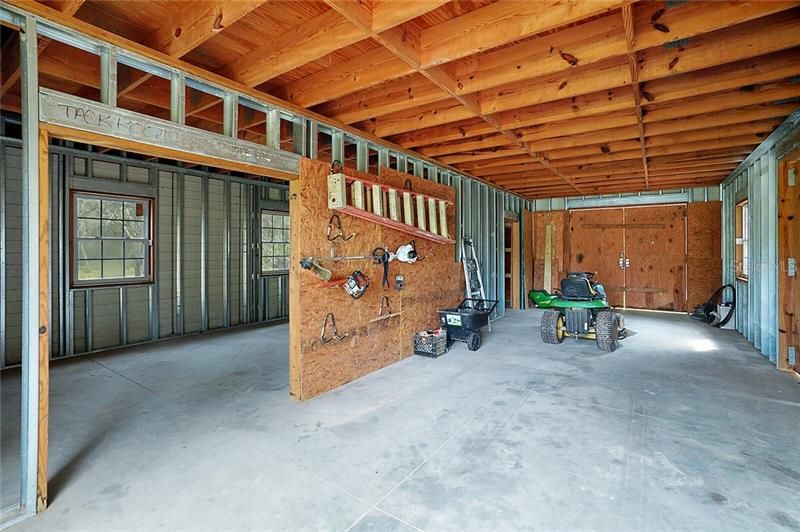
x,y
578,289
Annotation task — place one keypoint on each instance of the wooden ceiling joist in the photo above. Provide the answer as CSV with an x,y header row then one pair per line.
x,y
501,23
310,41
552,97
363,71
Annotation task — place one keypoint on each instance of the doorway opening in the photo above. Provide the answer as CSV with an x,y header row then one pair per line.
x,y
512,264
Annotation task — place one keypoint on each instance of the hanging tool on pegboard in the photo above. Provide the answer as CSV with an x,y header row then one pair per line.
x,y
336,231
356,284
330,318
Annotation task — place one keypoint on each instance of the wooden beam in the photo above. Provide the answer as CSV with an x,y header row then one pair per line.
x,y
608,148
764,69
9,57
602,109
694,18
357,12
616,73
509,166
753,139
576,82
597,103
500,23
43,440
189,29
439,77
196,23
356,74
732,130
417,118
578,127
556,52
481,155
634,67
456,130
604,38
701,155
314,39
390,13
295,302
722,118
722,101
600,136
491,141
744,41
398,95
745,141
714,161
501,166
45,12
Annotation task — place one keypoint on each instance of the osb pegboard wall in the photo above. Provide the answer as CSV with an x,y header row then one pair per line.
x,y
434,282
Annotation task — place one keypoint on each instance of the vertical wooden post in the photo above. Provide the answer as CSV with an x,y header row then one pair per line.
x,y
548,257
788,247
44,320
295,354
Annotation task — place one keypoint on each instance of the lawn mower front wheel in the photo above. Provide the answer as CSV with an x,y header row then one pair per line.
x,y
552,327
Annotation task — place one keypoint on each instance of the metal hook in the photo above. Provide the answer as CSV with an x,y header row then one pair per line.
x,y
385,304
335,224
336,167
330,317
407,185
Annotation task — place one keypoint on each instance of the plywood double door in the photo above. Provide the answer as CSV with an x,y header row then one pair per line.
x,y
639,254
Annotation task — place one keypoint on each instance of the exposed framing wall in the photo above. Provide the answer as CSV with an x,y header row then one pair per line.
x,y
434,282
213,283
756,180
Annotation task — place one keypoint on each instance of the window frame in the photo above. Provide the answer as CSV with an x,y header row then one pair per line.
x,y
149,241
261,242
742,240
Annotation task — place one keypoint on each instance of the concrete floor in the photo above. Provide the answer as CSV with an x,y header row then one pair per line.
x,y
684,427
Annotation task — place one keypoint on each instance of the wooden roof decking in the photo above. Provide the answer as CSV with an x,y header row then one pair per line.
x,y
544,97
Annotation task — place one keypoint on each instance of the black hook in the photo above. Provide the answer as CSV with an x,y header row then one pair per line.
x,y
335,224
329,317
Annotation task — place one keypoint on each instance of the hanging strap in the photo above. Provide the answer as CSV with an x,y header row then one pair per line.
x,y
382,257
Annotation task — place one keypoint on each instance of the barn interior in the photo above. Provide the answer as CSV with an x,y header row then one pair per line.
x,y
230,230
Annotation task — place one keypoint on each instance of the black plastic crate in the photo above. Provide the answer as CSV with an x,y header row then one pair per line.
x,y
431,343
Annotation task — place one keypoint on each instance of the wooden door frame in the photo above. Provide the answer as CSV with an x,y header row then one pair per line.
x,y
516,287
46,133
787,246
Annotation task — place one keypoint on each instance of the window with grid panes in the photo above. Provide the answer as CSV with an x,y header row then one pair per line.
x,y
111,239
274,242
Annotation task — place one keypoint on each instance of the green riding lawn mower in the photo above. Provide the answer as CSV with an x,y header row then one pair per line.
x,y
580,310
